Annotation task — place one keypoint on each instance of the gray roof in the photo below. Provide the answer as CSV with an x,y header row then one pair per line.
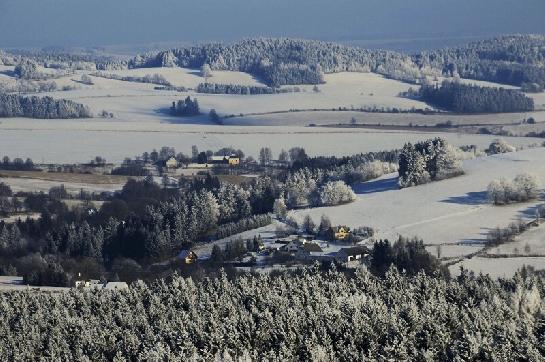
x,y
116,285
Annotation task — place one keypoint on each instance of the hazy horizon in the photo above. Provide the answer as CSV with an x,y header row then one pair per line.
x,y
400,24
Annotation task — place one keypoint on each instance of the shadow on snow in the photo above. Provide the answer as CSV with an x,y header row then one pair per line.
x,y
471,198
380,185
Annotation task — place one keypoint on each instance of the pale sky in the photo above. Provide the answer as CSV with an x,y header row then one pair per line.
x,y
40,23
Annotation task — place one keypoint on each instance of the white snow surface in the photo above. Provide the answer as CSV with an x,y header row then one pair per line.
x,y
451,212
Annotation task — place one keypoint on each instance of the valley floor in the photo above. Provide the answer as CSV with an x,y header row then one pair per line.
x,y
453,213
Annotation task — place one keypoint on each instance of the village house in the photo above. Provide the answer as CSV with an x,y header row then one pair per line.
x,y
338,232
292,247
188,256
171,163
354,253
97,284
225,160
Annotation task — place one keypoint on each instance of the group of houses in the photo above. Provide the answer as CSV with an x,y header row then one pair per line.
x,y
304,249
97,284
339,247
212,161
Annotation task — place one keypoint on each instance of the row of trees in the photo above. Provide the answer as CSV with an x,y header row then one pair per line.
x,y
407,255
214,88
12,105
148,78
249,223
234,249
27,86
463,98
499,235
524,187
514,59
427,161
17,164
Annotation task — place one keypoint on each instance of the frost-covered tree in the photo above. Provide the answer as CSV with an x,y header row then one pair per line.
x,y
265,156
433,159
308,225
325,224
526,186
85,79
206,71
280,209
335,193
283,156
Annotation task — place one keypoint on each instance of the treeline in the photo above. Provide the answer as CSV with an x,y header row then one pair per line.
x,y
407,255
17,164
427,161
329,315
284,61
60,59
514,59
351,169
517,60
250,223
462,98
214,88
148,78
26,86
12,105
235,250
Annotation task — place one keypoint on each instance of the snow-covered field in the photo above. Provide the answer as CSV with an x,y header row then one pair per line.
x,y
52,141
531,242
389,119
453,213
498,267
31,184
14,283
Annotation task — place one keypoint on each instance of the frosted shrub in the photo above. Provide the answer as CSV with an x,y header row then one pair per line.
x,y
523,188
374,169
335,193
526,186
500,146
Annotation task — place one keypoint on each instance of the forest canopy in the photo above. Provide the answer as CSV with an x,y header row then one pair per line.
x,y
463,98
308,315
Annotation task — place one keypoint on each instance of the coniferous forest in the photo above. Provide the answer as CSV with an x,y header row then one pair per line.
x,y
462,98
309,315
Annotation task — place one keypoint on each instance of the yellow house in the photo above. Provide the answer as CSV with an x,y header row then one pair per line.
x,y
339,232
234,161
188,256
172,163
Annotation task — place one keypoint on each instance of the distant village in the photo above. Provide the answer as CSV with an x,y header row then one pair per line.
x,y
269,249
